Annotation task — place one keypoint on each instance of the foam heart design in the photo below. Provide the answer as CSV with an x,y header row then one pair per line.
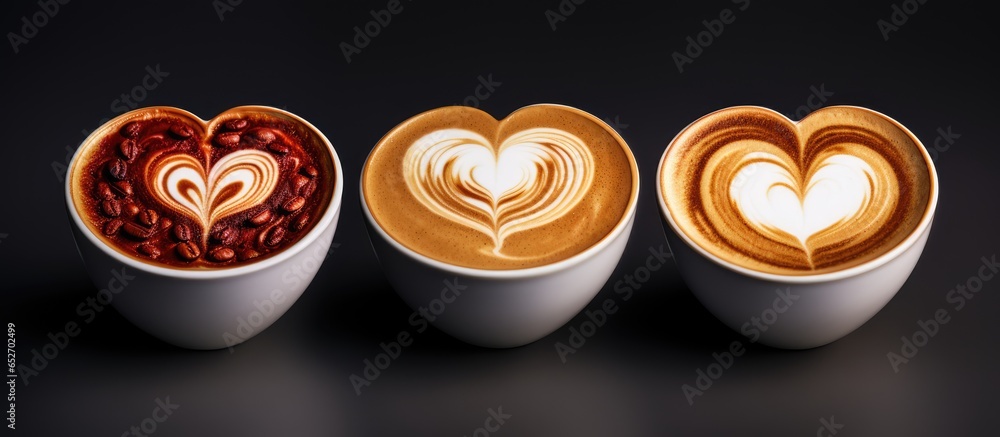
x,y
831,191
532,178
771,198
238,181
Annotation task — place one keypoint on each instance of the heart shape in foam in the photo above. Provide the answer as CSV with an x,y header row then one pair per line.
x,y
768,195
238,181
825,193
531,178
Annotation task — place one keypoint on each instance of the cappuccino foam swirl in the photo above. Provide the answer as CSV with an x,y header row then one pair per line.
x,y
534,177
238,181
833,191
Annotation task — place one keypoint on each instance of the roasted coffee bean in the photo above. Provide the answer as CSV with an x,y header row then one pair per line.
x,y
299,223
309,171
235,124
222,254
247,254
132,209
261,218
136,231
294,204
262,135
111,208
117,169
124,188
131,129
298,181
225,235
149,250
128,149
278,147
152,142
188,251
112,227
148,218
165,223
182,232
181,131
309,189
103,191
227,139
273,236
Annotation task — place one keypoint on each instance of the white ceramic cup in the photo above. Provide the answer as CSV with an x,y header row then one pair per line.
x,y
502,308
797,312
206,308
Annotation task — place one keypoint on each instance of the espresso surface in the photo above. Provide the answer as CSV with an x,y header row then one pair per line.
x,y
163,187
458,186
839,188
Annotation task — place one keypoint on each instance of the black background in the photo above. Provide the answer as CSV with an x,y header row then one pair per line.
x,y
611,58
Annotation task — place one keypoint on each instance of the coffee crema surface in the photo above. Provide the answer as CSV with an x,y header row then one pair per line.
x,y
833,191
162,186
460,187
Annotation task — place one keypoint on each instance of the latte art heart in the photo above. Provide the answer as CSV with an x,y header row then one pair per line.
x,y
772,199
532,178
837,189
238,181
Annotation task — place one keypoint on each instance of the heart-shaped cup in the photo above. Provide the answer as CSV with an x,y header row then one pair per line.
x,y
197,307
534,188
833,191
455,202
796,233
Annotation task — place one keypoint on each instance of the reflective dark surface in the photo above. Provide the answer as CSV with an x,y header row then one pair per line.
x,y
613,59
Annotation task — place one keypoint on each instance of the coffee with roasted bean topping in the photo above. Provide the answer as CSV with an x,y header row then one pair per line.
x,y
166,188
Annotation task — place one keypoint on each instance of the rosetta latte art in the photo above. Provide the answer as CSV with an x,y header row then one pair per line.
x,y
532,178
239,181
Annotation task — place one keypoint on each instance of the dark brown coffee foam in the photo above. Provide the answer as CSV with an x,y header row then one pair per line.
x,y
705,158
462,236
125,151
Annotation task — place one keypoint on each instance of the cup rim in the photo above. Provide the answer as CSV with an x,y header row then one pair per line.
x,y
621,226
872,264
332,209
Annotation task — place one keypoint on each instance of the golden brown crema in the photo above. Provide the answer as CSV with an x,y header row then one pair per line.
x,y
835,190
540,186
